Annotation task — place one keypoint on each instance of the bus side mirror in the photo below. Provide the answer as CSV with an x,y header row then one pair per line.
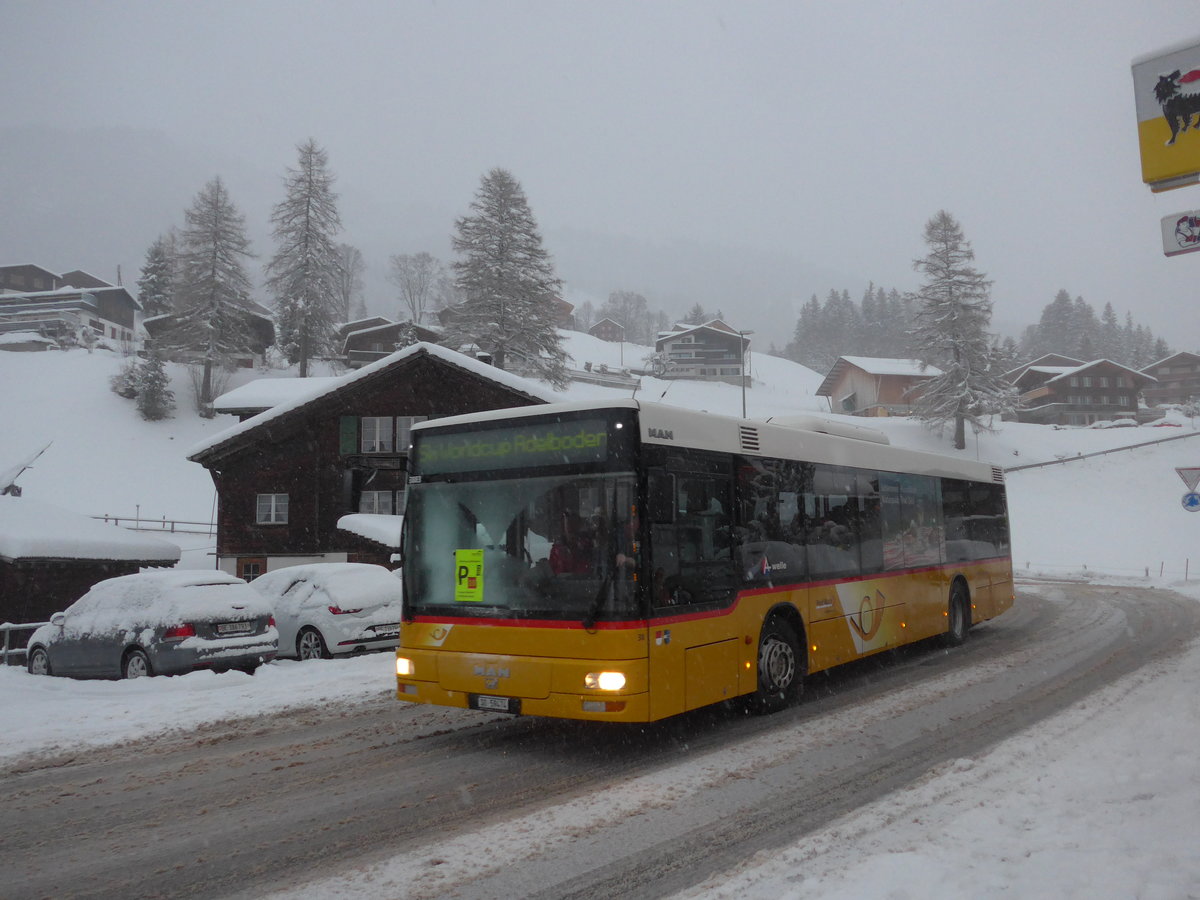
x,y
661,498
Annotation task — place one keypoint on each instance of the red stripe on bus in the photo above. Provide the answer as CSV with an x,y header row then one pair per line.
x,y
628,624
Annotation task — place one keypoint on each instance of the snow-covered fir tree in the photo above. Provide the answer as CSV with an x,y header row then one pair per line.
x,y
156,286
507,282
953,314
303,274
212,293
155,400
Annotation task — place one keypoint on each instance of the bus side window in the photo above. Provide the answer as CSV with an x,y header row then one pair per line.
x,y
692,550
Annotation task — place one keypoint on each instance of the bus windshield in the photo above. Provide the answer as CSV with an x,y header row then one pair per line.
x,y
549,547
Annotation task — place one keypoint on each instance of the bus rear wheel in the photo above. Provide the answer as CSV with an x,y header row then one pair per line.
x,y
959,614
780,668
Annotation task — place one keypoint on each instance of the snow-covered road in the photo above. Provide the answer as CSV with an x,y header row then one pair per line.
x,y
390,801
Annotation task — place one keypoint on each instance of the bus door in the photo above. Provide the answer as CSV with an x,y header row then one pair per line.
x,y
694,653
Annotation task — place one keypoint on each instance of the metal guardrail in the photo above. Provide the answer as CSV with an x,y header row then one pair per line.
x,y
1070,459
172,526
8,628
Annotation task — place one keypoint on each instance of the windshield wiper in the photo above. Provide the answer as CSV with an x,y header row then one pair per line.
x,y
589,621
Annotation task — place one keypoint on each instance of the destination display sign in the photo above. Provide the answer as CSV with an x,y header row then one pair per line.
x,y
521,447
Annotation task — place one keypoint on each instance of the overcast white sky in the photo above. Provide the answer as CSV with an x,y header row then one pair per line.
x,y
827,131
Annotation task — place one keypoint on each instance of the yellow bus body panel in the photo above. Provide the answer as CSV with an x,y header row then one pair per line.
x,y
677,663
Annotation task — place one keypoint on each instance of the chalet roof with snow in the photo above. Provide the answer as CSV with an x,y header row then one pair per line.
x,y
80,279
30,529
1181,357
380,368
875,365
262,394
682,328
360,324
1038,375
1048,359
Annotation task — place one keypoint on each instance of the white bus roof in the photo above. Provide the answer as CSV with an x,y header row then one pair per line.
x,y
809,438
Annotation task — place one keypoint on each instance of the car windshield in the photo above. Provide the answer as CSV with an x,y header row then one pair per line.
x,y
559,547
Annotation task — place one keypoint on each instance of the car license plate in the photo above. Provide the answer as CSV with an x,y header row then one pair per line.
x,y
235,627
495,704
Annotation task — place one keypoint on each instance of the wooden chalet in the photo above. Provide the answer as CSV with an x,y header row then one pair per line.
x,y
50,557
1096,391
874,386
259,321
285,477
374,342
712,351
1177,379
608,330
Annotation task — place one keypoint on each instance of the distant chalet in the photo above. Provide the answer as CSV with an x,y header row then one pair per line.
x,y
46,309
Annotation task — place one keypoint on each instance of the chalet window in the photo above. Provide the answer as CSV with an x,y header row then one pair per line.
x,y
272,509
378,502
404,426
1074,381
250,567
1103,381
376,434
1087,380
1124,399
1121,381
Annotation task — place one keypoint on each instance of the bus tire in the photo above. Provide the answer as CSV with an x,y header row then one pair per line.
x,y
780,667
958,613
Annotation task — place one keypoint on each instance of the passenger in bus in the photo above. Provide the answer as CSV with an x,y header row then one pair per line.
x,y
574,550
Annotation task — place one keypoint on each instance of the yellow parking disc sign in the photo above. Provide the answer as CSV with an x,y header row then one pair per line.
x,y
468,576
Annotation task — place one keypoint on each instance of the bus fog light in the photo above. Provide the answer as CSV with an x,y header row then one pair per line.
x,y
403,666
604,681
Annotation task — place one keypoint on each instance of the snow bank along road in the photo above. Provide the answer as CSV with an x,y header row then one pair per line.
x,y
386,800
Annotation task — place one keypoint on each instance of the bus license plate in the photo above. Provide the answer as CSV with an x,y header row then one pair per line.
x,y
495,704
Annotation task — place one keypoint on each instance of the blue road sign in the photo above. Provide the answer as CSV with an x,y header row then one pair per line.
x,y
1191,501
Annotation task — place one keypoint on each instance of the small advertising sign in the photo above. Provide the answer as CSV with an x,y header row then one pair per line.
x,y
1166,89
1181,232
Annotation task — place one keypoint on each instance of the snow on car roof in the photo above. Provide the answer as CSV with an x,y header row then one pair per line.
x,y
147,599
30,529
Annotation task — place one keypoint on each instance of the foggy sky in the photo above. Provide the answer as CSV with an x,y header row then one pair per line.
x,y
828,133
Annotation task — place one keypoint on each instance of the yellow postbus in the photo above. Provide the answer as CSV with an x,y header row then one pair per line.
x,y
628,561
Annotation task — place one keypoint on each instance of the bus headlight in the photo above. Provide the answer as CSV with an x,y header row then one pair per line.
x,y
604,681
404,666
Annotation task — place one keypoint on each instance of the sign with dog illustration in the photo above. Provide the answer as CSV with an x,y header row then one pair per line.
x,y
1166,87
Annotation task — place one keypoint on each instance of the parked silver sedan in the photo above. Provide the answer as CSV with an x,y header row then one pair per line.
x,y
157,623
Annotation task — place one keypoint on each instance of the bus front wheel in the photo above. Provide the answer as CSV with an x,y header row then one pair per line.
x,y
780,668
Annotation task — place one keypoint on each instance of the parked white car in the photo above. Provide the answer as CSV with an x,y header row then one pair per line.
x,y
328,609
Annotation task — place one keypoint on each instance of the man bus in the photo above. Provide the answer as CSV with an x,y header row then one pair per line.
x,y
712,557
